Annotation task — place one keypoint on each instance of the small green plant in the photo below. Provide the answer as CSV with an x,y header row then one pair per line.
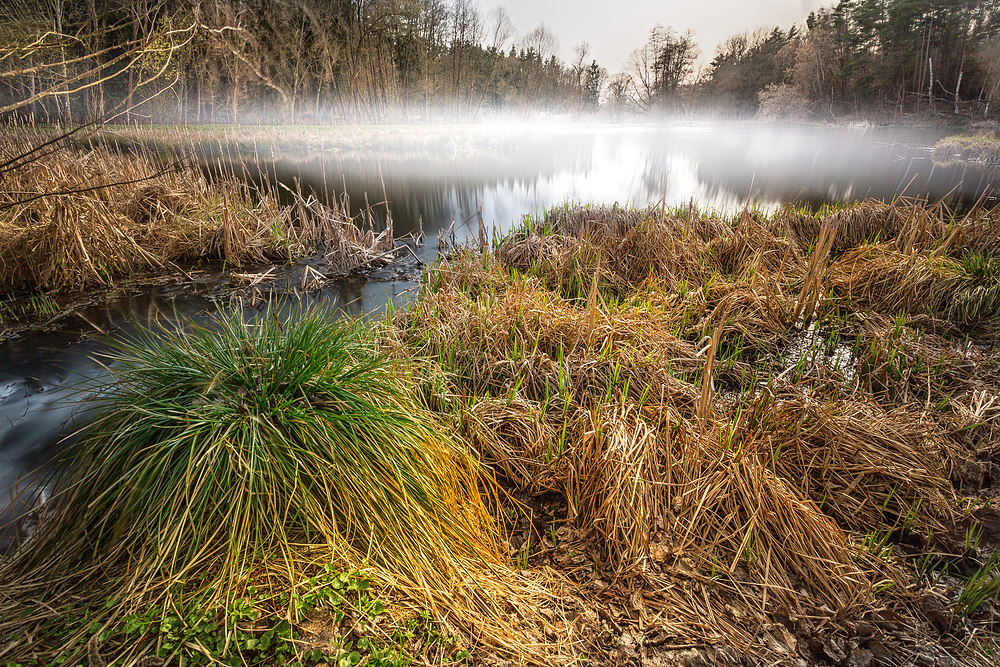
x,y
35,306
980,587
883,586
983,267
878,544
973,536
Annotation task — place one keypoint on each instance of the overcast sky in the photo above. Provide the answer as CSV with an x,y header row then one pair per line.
x,y
614,28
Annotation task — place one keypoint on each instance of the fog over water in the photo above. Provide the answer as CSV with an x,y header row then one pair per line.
x,y
512,171
436,175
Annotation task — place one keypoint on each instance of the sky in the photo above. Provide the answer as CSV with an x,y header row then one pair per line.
x,y
614,28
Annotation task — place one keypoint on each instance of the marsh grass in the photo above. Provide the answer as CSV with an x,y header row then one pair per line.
x,y
983,148
94,214
123,214
743,413
244,449
742,416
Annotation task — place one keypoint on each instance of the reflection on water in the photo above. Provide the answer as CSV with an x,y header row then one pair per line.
x,y
511,172
437,176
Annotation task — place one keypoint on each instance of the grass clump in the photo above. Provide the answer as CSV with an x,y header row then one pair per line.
x,y
984,148
243,448
751,420
982,587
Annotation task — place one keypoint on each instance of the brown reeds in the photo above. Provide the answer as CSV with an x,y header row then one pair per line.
x,y
812,281
983,148
625,246
656,494
88,216
79,218
888,281
549,347
865,466
607,422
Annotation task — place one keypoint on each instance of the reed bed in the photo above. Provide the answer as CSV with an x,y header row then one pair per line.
x,y
121,215
93,214
887,281
984,148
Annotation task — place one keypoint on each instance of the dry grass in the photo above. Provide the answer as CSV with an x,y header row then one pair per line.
x,y
133,216
887,281
984,148
865,466
86,216
727,409
624,247
595,409
658,371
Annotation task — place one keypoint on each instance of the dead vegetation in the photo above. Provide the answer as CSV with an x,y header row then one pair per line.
x,y
983,148
760,436
91,215
743,425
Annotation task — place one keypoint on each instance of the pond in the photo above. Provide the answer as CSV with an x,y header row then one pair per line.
x,y
436,179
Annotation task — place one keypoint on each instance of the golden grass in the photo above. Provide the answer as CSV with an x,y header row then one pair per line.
x,y
132,216
719,403
599,414
865,466
887,281
86,216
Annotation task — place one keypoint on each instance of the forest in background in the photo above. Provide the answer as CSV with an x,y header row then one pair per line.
x,y
321,61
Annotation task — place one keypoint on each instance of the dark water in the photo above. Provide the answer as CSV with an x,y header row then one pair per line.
x,y
437,176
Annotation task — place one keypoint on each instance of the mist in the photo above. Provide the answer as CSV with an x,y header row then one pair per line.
x,y
434,175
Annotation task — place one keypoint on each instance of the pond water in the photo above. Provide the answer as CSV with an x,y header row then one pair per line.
x,y
437,175
435,178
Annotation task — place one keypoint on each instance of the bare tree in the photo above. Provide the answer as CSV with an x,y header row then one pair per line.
x,y
661,66
501,31
541,41
620,92
578,68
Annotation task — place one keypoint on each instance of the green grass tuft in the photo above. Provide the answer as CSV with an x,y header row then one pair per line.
x,y
242,447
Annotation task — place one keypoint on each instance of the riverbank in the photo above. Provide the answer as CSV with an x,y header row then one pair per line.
x,y
771,436
978,148
86,216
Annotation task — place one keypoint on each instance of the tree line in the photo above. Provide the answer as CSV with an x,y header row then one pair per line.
x,y
295,61
857,57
